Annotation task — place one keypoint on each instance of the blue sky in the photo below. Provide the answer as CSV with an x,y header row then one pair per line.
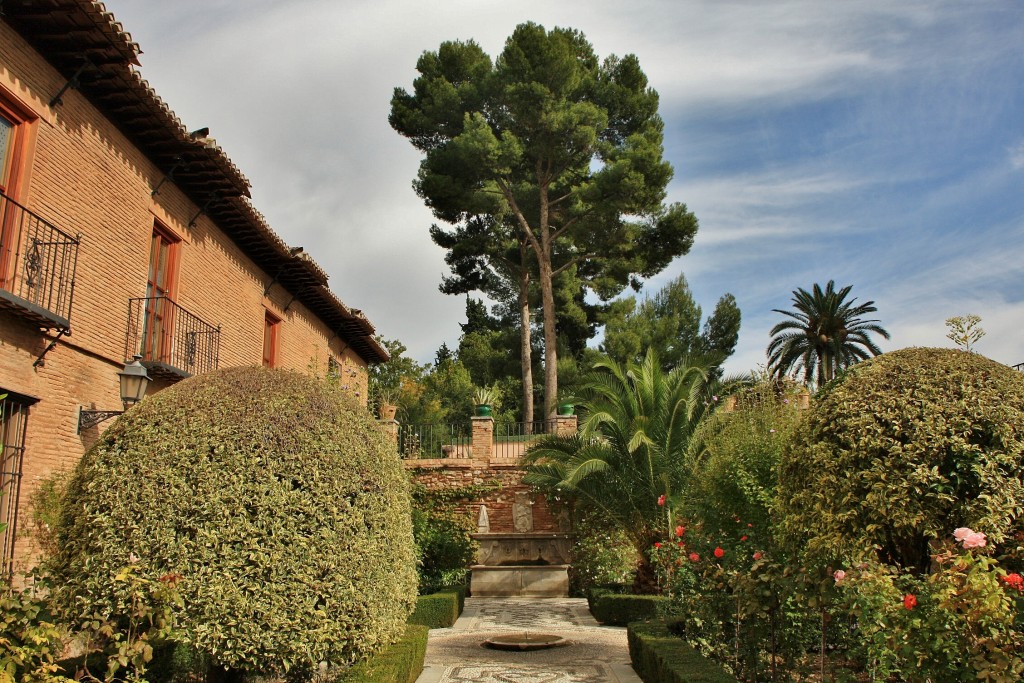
x,y
879,144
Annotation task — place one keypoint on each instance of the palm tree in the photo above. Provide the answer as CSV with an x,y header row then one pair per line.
x,y
825,334
635,446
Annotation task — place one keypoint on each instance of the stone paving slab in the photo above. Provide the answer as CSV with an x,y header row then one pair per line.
x,y
596,654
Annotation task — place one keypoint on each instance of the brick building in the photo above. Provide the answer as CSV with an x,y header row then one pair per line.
x,y
123,233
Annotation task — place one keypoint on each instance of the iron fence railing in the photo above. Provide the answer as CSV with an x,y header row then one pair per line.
x,y
511,439
170,339
434,441
37,263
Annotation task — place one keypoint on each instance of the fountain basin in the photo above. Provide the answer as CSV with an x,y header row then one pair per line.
x,y
523,642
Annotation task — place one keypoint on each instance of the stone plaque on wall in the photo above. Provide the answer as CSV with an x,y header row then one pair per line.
x,y
522,513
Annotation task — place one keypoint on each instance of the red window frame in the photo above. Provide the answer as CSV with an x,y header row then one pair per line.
x,y
161,285
11,163
271,339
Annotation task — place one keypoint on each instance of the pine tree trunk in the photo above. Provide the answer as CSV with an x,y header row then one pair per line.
x,y
525,347
550,342
547,302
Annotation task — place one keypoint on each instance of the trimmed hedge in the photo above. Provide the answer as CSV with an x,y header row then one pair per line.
x,y
460,594
279,501
595,593
619,610
658,656
437,610
441,609
399,663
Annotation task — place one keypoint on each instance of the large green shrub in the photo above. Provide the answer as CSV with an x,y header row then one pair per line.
x,y
280,503
903,449
734,481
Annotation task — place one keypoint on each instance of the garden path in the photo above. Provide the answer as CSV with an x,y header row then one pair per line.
x,y
596,654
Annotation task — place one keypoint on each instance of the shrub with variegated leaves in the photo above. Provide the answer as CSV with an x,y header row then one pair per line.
x,y
281,504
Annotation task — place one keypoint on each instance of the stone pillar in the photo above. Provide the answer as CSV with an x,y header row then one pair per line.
x,y
483,438
566,425
391,427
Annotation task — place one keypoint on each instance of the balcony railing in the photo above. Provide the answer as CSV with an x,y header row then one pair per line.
x,y
173,343
512,439
37,266
434,441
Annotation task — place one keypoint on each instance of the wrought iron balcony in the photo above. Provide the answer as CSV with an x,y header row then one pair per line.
x,y
173,343
37,267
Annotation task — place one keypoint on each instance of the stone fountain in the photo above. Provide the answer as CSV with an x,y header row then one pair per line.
x,y
523,563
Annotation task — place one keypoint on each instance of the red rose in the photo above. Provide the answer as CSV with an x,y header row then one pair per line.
x,y
657,544
758,555
680,530
719,553
694,557
661,500
909,601
1015,581
743,538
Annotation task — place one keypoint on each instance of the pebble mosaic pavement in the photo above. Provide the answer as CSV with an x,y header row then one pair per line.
x,y
596,654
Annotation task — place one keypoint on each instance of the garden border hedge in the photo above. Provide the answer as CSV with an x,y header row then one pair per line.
x,y
440,609
613,609
398,663
658,656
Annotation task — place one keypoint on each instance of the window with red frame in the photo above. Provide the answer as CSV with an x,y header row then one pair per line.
x,y
271,334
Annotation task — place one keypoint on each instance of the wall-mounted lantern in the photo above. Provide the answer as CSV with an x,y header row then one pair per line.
x,y
134,381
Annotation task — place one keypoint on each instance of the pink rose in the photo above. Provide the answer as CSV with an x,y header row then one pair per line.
x,y
758,555
661,500
961,533
680,530
974,539
694,557
839,575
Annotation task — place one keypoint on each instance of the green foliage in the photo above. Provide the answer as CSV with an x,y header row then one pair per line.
x,y
669,323
445,547
436,610
401,662
30,639
278,500
601,553
619,610
45,503
658,656
965,330
823,336
443,535
963,623
737,475
124,642
634,446
390,381
902,450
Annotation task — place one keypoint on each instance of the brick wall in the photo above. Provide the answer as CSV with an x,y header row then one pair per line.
x,y
80,173
484,467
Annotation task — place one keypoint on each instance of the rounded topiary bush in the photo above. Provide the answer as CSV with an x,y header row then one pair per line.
x,y
278,500
902,450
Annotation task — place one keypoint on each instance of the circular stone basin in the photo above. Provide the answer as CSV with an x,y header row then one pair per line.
x,y
525,641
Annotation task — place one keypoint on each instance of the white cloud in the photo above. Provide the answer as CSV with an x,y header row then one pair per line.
x,y
1017,156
